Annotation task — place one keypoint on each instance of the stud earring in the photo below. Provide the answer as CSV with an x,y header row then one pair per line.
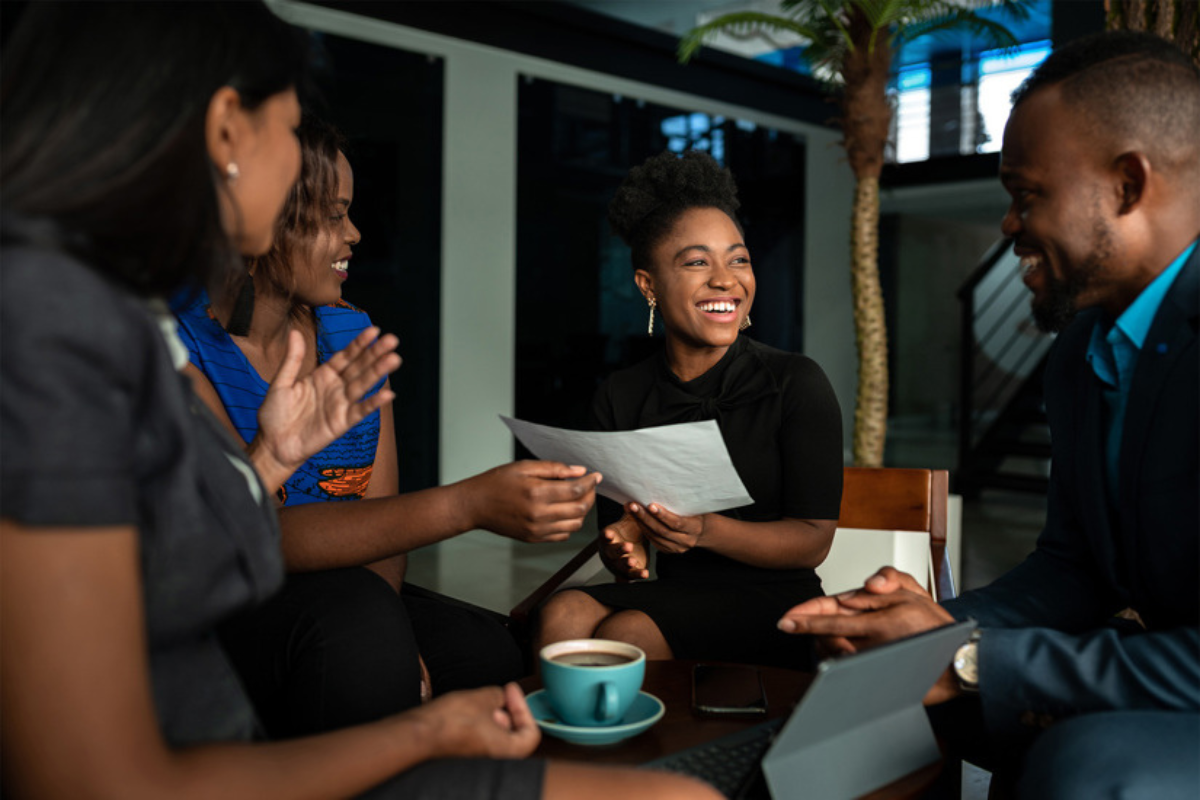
x,y
232,173
650,328
746,323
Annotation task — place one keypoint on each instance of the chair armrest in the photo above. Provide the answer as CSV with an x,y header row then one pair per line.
x,y
582,567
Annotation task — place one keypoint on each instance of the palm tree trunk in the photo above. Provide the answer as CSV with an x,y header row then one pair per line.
x,y
1176,21
870,409
866,115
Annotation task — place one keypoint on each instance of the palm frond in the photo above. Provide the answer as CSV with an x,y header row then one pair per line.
x,y
739,23
832,16
960,19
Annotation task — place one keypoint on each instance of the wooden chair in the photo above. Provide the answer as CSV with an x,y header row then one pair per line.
x,y
884,499
897,499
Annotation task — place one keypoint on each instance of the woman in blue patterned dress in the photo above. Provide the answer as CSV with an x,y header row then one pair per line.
x,y
340,644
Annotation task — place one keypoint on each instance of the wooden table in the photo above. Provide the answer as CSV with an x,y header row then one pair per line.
x,y
680,727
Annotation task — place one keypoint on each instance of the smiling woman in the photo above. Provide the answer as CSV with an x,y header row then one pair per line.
x,y
343,642
721,577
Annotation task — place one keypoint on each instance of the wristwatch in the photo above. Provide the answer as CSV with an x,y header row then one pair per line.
x,y
966,663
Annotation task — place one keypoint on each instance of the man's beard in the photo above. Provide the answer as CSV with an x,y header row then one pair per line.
x,y
1058,307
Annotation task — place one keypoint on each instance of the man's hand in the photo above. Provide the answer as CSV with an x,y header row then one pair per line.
x,y
493,722
532,501
668,531
623,548
891,605
301,416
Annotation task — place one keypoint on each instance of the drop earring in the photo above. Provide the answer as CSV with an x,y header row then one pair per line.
x,y
232,173
746,323
650,327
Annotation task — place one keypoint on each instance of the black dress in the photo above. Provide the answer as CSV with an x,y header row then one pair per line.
x,y
782,425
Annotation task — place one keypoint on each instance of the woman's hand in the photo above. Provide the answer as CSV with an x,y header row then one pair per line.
x,y
623,548
530,501
667,531
301,416
493,722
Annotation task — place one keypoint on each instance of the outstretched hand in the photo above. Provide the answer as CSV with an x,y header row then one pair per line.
x,y
493,722
666,530
891,605
623,548
301,416
532,501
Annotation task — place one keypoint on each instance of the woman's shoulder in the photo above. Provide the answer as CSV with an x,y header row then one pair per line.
x,y
639,376
340,322
342,310
782,363
46,291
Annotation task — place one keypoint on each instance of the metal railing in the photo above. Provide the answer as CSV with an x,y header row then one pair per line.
x,y
1002,353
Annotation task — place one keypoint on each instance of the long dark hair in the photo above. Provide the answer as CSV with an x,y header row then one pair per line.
x,y
103,126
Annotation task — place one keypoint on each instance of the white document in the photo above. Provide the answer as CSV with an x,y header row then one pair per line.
x,y
684,468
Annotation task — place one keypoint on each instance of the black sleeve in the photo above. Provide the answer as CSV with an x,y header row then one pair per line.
x,y
603,419
810,436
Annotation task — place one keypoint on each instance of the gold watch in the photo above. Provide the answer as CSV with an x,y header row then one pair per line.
x,y
966,664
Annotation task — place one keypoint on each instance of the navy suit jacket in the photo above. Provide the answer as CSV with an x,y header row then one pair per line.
x,y
1048,649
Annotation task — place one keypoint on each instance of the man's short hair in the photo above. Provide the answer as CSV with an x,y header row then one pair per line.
x,y
1129,88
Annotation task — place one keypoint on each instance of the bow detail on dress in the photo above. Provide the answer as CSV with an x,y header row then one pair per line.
x,y
738,379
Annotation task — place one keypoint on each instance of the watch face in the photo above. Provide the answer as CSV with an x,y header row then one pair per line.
x,y
965,664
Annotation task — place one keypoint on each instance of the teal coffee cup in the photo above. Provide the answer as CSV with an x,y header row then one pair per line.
x,y
591,683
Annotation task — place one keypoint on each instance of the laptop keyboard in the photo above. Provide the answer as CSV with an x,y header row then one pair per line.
x,y
729,764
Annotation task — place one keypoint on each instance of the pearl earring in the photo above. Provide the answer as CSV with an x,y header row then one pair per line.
x,y
232,173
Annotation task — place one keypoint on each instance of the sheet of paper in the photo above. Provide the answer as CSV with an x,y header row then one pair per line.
x,y
685,468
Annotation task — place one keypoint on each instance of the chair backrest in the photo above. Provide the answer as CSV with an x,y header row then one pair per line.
x,y
897,499
877,502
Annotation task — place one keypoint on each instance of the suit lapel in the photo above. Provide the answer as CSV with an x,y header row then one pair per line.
x,y
1089,441
1171,335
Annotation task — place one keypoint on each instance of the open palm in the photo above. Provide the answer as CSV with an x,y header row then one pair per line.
x,y
301,416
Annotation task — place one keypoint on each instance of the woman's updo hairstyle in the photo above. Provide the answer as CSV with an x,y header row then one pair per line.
x,y
654,195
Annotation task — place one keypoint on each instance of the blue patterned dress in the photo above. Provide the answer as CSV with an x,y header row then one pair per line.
x,y
339,472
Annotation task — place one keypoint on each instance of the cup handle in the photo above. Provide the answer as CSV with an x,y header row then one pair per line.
x,y
606,702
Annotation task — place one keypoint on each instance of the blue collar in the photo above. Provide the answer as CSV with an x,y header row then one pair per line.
x,y
1134,323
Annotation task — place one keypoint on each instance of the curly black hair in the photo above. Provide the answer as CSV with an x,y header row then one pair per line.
x,y
654,195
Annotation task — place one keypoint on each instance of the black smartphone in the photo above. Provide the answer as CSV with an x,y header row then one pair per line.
x,y
727,690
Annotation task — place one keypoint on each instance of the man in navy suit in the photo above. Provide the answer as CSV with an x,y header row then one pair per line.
x,y
1101,158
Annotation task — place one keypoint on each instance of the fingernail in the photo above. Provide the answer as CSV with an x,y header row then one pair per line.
x,y
633,507
845,595
875,580
786,625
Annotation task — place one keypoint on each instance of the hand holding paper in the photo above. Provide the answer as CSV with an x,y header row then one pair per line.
x,y
684,468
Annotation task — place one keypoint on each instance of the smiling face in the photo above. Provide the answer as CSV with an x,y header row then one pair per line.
x,y
702,282
321,263
1063,211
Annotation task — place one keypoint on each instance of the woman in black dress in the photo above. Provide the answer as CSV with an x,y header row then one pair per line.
x,y
723,580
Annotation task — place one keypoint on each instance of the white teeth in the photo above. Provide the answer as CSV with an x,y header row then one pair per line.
x,y
341,266
1030,263
718,307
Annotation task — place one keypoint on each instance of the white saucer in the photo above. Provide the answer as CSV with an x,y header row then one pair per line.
x,y
645,711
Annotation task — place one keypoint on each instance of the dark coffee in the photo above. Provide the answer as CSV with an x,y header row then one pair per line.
x,y
592,658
